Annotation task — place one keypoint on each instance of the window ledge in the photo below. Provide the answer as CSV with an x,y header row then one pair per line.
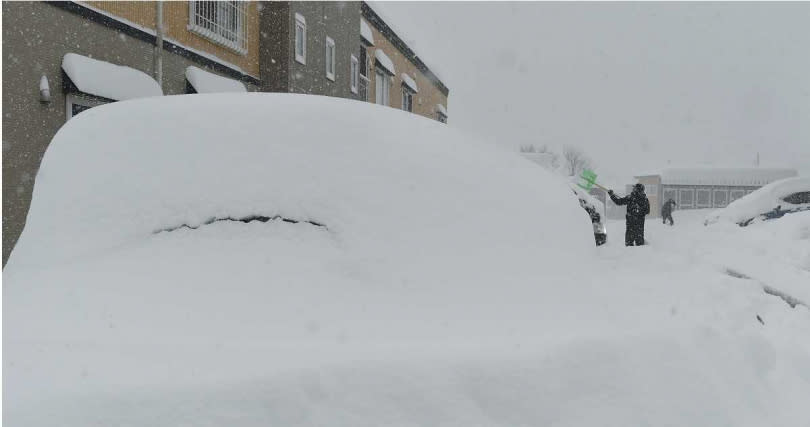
x,y
217,39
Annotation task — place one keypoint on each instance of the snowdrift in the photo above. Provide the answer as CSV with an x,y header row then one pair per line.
x,y
762,200
272,259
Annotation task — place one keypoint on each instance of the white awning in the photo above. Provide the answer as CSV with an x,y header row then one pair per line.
x,y
107,80
440,108
408,81
205,82
365,32
384,61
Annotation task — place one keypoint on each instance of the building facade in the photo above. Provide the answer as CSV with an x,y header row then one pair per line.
x,y
706,188
55,52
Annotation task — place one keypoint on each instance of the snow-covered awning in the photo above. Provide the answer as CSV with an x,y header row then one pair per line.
x,y
107,80
408,81
725,176
205,82
365,32
440,108
384,61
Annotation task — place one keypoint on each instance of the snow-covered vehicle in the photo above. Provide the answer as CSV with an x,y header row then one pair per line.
x,y
772,201
280,259
595,209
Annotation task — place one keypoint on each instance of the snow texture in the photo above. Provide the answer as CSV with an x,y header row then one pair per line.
x,y
107,80
365,32
206,82
384,61
762,200
545,160
754,177
440,108
453,283
410,82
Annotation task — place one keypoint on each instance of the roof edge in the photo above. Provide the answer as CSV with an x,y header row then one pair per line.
x,y
367,12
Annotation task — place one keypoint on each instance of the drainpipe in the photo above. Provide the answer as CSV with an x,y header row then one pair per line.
x,y
158,60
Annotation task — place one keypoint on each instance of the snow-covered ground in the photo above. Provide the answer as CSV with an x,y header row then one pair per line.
x,y
448,283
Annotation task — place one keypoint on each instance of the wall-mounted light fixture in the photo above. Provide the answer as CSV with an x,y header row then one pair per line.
x,y
44,90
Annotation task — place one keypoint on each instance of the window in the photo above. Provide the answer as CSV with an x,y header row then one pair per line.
x,y
687,197
736,194
704,198
353,77
407,99
798,198
363,62
720,198
224,22
382,83
76,104
330,58
300,39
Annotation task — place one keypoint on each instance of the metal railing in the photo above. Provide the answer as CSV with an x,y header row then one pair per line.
x,y
224,22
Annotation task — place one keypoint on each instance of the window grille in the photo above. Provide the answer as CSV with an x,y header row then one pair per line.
x,y
224,22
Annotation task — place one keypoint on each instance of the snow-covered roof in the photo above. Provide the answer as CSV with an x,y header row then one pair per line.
x,y
440,108
410,82
205,82
365,32
724,176
108,80
384,61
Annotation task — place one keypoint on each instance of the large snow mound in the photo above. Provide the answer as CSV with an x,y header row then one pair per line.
x,y
762,200
389,179
451,283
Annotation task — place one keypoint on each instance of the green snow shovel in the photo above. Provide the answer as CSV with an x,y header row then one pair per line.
x,y
588,180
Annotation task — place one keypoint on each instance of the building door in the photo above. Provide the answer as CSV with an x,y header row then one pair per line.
x,y
720,198
703,198
687,196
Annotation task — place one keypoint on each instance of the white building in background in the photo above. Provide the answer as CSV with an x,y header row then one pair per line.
x,y
705,188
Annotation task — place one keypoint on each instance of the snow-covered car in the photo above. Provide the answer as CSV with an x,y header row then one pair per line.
x,y
772,201
595,209
279,259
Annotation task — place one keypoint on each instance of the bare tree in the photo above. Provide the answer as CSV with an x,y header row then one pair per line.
x,y
575,160
555,158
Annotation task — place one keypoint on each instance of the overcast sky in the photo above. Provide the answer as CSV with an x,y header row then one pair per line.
x,y
638,86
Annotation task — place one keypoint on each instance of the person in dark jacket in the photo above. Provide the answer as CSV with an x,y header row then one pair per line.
x,y
666,211
637,208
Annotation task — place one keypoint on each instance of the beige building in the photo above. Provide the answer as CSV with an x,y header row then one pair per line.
x,y
395,75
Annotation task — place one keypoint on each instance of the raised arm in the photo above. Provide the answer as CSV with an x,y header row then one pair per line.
x,y
618,200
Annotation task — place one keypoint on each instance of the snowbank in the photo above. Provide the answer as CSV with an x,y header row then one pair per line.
x,y
107,80
384,61
205,82
451,282
760,201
